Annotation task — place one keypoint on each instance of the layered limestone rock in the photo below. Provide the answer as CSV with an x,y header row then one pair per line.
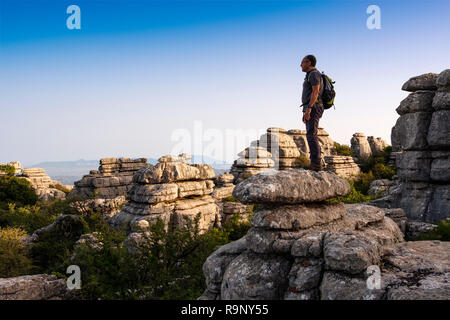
x,y
422,142
113,178
223,186
360,146
173,190
17,167
104,190
251,160
42,184
282,147
223,189
377,145
327,147
34,287
299,248
343,166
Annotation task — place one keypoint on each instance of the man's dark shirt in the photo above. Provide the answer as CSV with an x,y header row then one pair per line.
x,y
315,78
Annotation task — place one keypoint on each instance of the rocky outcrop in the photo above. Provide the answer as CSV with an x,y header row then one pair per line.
x,y
34,287
104,190
112,179
363,148
18,169
380,188
42,184
223,186
251,160
343,166
360,146
422,144
172,190
282,148
301,249
326,143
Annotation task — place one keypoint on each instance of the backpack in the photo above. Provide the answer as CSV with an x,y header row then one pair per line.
x,y
328,92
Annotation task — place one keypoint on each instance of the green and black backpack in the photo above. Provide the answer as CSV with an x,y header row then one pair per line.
x,y
328,92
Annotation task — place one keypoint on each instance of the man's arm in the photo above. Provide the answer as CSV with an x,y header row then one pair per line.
x,y
314,94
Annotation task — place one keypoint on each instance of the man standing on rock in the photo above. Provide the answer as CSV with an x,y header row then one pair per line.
x,y
312,108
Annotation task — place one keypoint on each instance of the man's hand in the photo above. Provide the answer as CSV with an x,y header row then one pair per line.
x,y
307,115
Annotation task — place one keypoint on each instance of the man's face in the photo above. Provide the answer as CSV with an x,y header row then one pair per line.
x,y
305,64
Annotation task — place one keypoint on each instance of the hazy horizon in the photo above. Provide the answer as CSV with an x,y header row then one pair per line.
x,y
139,71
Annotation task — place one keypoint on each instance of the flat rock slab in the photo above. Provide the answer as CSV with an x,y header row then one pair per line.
x,y
291,186
295,217
425,81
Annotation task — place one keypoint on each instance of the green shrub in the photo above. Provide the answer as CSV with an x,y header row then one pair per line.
x,y
54,249
382,171
354,196
302,162
168,264
362,183
442,232
18,190
60,188
13,253
342,149
230,199
9,170
29,218
235,229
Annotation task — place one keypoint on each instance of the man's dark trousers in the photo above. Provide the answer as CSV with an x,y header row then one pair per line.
x,y
312,125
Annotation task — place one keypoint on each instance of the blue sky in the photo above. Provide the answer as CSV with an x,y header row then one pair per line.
x,y
138,71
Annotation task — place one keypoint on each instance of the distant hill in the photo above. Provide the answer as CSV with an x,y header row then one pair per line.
x,y
67,172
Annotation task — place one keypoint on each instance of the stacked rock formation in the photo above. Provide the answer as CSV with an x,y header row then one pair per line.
x,y
104,190
251,160
377,145
360,146
112,179
421,136
172,190
302,248
17,167
223,189
282,147
326,143
363,148
343,166
42,184
223,186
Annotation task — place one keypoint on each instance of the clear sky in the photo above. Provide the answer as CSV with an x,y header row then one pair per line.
x,y
139,71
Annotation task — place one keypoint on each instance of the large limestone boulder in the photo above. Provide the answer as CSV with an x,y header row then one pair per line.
x,y
425,81
419,101
360,146
34,287
293,186
438,132
410,131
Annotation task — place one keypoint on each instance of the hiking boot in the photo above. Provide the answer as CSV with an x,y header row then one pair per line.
x,y
314,167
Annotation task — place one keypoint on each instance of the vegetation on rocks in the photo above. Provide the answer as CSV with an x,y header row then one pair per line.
x,y
342,149
442,232
13,254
